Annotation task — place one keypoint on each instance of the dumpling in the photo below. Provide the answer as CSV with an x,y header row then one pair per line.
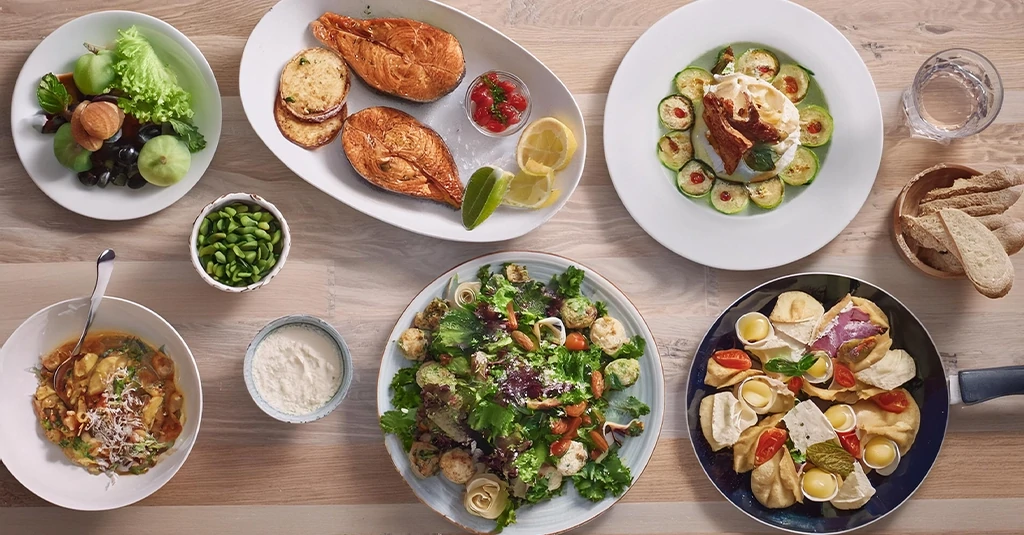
x,y
745,449
862,354
723,418
842,394
719,376
778,346
775,483
797,314
894,369
900,427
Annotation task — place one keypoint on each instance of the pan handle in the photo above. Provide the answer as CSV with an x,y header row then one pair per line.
x,y
989,383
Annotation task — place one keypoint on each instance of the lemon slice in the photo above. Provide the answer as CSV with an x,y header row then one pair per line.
x,y
546,145
487,187
531,191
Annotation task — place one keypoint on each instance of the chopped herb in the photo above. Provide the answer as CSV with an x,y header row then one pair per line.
x,y
797,455
52,95
303,61
47,425
289,99
598,480
602,309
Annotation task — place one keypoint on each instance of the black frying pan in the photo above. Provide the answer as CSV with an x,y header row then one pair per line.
x,y
930,389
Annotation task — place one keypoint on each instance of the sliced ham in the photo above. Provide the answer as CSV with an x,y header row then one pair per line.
x,y
851,324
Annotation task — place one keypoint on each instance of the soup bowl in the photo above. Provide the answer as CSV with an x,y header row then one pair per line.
x,y
39,464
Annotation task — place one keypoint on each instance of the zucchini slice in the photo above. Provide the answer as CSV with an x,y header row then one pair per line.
x,y
815,126
725,63
793,81
759,63
767,194
729,197
695,179
803,169
676,112
690,82
675,149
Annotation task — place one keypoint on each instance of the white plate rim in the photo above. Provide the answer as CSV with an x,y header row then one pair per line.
x,y
526,257
638,205
26,78
270,139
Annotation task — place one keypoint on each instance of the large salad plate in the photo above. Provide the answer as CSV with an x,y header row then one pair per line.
x,y
809,218
40,465
57,53
284,31
560,513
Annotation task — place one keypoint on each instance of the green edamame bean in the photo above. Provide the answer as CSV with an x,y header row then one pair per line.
x,y
204,226
230,255
218,271
229,211
261,234
263,226
222,223
243,274
201,240
250,256
217,236
209,268
232,238
219,256
277,237
221,246
232,226
267,217
237,251
249,246
247,230
240,208
246,221
207,250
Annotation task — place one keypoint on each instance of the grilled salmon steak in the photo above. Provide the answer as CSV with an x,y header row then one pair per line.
x,y
392,150
401,57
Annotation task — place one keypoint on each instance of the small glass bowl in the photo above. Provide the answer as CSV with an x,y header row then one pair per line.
x,y
521,88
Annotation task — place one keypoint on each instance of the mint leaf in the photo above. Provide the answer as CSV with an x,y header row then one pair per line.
x,y
53,97
188,133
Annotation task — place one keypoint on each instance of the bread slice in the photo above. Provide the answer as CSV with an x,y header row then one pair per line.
x,y
945,262
927,231
975,204
315,84
995,221
994,181
1012,237
306,134
985,262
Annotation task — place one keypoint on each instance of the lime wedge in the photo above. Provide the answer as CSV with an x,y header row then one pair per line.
x,y
486,189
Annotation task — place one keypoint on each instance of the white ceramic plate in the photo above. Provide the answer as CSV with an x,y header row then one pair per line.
x,y
569,510
57,54
759,240
37,463
284,31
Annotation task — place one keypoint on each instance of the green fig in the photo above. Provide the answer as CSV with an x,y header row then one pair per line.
x,y
68,152
94,72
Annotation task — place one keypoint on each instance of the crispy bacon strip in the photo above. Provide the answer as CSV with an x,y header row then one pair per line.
x,y
753,128
727,141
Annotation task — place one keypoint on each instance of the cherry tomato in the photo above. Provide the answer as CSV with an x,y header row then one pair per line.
x,y
843,376
850,443
485,100
696,178
576,342
492,76
511,114
517,101
768,444
478,92
895,401
495,126
725,196
736,359
481,114
795,384
507,87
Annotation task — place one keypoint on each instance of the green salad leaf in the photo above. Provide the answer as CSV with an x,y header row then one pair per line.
x,y
483,274
602,309
633,407
575,366
498,292
151,89
633,349
568,283
506,518
401,423
458,331
493,419
406,393
532,301
189,134
52,95
797,455
529,461
597,480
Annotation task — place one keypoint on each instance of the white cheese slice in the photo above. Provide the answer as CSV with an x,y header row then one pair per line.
x,y
802,332
856,490
807,425
895,368
729,418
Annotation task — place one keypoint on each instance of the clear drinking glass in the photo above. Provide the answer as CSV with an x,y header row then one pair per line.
x,y
956,93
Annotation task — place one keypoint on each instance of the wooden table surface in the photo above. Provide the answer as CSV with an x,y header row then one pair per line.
x,y
251,474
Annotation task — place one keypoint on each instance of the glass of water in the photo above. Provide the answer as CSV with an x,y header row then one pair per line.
x,y
956,93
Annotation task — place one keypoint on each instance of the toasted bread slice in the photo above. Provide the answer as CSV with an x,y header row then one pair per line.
x,y
994,181
996,221
1012,237
314,85
306,134
975,204
945,262
927,231
985,262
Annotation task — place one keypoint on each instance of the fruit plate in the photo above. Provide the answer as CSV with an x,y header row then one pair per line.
x,y
570,510
284,31
57,54
758,240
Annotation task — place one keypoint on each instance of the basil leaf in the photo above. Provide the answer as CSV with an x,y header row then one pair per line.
x,y
761,158
52,95
782,366
806,363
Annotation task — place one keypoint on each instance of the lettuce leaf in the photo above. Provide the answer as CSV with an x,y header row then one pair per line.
x,y
406,392
152,93
495,420
633,407
400,422
632,349
568,283
459,331
598,480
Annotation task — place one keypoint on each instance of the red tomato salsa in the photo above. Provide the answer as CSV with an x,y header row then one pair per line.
x,y
497,104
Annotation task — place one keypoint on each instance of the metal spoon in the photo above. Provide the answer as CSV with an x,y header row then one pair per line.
x,y
104,268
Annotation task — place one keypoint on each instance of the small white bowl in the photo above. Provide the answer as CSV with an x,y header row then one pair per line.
x,y
346,366
244,198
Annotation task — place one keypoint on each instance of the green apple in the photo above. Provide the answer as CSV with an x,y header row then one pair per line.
x,y
68,152
94,73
